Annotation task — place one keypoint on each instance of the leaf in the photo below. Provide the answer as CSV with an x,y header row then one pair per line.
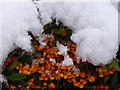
x,y
105,68
36,52
114,80
26,59
106,79
13,65
115,65
22,82
32,75
17,76
59,31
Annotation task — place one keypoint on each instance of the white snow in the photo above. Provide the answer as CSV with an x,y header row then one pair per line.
x,y
17,19
62,49
94,25
52,60
67,61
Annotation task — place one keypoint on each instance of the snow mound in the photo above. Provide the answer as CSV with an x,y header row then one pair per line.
x,y
94,25
17,19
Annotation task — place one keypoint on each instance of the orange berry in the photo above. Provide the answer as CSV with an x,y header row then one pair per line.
x,y
41,78
20,64
34,66
100,70
20,71
91,79
69,81
97,69
65,76
30,83
82,74
52,85
25,71
84,82
101,74
17,67
61,74
76,84
45,84
81,80
52,78
81,85
74,79
111,71
12,86
46,78
28,73
26,66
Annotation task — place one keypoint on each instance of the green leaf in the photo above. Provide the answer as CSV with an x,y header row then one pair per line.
x,y
115,65
106,79
59,31
105,68
26,59
17,76
22,82
36,52
114,80
13,65
32,75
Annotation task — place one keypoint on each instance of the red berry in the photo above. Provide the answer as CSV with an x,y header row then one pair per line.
x,y
13,58
9,61
5,64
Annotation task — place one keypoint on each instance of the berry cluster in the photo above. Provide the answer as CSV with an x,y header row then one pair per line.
x,y
48,66
102,73
10,60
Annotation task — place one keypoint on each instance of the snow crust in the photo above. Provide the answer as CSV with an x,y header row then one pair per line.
x,y
94,25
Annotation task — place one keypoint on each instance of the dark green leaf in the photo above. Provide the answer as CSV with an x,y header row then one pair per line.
x,y
106,79
114,80
22,82
32,75
36,52
26,59
17,76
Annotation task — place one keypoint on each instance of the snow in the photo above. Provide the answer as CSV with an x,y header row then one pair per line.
x,y
67,61
62,49
17,19
52,60
94,25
